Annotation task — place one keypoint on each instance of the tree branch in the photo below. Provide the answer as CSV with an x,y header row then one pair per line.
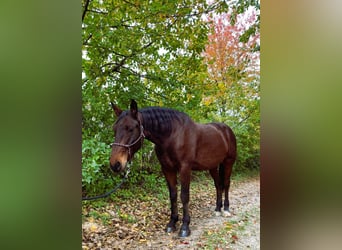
x,y
120,64
85,9
86,41
244,119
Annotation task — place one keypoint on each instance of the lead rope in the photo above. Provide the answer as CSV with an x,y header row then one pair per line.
x,y
113,190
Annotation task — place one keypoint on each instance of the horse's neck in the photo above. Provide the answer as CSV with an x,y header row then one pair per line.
x,y
159,123
150,135
151,132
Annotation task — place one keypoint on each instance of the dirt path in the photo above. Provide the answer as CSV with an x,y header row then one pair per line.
x,y
142,227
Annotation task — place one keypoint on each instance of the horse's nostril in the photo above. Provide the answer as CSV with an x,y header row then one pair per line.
x,y
116,167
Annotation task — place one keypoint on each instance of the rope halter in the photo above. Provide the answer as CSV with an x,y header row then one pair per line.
x,y
128,146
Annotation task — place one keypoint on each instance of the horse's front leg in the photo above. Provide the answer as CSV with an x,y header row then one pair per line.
x,y
171,178
185,193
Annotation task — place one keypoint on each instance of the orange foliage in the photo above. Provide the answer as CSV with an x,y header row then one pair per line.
x,y
228,60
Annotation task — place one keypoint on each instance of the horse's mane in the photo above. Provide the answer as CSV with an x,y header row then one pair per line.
x,y
160,120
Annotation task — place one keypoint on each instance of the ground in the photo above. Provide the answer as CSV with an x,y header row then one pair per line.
x,y
140,223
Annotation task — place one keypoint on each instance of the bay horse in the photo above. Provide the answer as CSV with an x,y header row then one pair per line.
x,y
181,146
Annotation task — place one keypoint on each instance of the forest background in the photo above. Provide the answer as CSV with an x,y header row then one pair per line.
x,y
199,57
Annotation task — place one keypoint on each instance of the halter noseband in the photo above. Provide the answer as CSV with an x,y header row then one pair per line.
x,y
128,146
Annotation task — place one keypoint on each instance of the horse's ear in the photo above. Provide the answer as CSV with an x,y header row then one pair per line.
x,y
116,109
134,108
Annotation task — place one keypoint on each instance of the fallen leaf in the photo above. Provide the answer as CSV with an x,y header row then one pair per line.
x,y
235,238
185,242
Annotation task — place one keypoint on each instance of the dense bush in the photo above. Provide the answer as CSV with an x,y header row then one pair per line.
x,y
248,151
97,177
95,174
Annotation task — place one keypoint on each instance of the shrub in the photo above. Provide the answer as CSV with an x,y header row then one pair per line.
x,y
95,170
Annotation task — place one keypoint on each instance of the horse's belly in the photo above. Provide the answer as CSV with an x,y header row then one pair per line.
x,y
209,159
206,163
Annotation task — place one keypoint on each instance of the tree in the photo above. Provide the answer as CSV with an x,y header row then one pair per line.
x,y
232,86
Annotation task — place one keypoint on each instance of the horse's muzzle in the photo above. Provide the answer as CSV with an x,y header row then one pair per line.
x,y
116,167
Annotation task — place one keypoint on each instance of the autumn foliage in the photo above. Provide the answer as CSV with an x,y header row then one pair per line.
x,y
230,61
233,78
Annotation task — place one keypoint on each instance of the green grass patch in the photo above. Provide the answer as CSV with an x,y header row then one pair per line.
x,y
127,217
104,217
241,175
245,174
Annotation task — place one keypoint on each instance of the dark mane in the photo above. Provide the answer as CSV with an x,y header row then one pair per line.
x,y
160,120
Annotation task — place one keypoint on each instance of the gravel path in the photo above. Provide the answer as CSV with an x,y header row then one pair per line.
x,y
240,231
247,211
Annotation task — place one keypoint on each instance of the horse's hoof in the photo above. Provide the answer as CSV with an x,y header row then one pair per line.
x,y
217,213
226,214
170,229
184,233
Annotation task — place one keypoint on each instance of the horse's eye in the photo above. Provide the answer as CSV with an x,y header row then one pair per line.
x,y
128,129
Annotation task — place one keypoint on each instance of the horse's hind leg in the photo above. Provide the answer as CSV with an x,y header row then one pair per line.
x,y
228,165
214,173
185,175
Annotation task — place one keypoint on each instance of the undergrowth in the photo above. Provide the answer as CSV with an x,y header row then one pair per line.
x,y
150,186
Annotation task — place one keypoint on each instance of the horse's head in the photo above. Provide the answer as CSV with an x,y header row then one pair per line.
x,y
129,136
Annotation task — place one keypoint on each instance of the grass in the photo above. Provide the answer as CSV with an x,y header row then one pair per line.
x,y
103,217
240,175
245,174
127,217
